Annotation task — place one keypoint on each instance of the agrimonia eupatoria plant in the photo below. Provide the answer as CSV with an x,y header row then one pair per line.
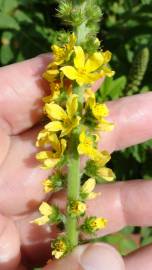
x,y
74,123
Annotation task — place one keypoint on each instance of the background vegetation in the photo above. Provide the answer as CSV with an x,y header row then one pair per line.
x,y
29,27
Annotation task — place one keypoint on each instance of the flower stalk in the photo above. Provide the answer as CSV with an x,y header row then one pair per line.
x,y
73,188
74,122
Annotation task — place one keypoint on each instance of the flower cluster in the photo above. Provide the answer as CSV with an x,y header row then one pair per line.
x,y
73,114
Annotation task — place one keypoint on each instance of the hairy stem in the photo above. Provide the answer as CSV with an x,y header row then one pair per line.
x,y
73,188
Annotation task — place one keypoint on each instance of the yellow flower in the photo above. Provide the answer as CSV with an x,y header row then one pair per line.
x,y
59,247
86,147
64,121
55,92
99,111
50,158
44,138
84,67
63,54
87,189
48,185
106,173
53,183
76,208
46,211
93,224
51,73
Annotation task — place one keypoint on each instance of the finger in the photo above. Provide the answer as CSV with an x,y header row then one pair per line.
x,y
22,89
9,244
140,259
24,175
90,257
122,204
35,240
21,177
133,122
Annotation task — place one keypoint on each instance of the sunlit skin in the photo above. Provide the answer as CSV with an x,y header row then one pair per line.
x,y
21,190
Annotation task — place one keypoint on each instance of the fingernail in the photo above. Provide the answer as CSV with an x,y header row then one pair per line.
x,y
101,257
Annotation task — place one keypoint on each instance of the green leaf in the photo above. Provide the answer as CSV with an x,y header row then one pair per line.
x,y
117,87
8,22
9,5
126,246
113,88
147,241
6,54
145,232
127,230
22,17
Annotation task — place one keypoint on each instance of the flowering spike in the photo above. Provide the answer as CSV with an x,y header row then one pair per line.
x,y
73,124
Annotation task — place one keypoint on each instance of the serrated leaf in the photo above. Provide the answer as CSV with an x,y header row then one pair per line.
x,y
117,87
8,22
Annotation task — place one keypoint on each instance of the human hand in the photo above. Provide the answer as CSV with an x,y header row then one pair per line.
x,y
20,177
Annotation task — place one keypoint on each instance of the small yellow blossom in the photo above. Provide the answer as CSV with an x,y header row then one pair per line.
x,y
48,185
55,92
84,67
46,211
50,158
106,173
76,208
53,183
86,147
51,74
59,247
99,111
64,121
87,189
93,224
63,54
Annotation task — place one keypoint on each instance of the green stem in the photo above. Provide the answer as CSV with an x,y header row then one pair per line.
x,y
73,188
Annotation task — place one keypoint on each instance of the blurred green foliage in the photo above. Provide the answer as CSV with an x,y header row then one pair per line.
x,y
29,27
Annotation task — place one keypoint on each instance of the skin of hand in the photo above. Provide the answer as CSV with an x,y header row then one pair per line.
x,y
122,203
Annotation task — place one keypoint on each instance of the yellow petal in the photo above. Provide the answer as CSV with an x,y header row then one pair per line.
x,y
72,105
50,75
50,163
93,195
89,185
79,59
47,184
105,125
107,56
63,145
89,93
100,110
70,72
57,254
107,174
45,209
94,62
108,72
41,221
104,157
55,111
43,155
84,149
54,126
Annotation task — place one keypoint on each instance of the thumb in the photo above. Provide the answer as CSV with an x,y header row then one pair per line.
x,y
90,257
